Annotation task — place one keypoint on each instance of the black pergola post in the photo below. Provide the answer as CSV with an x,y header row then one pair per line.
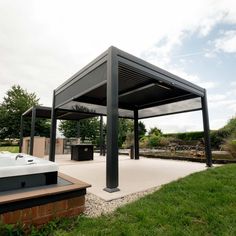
x,y
78,129
136,138
21,133
33,118
53,131
101,136
112,122
206,130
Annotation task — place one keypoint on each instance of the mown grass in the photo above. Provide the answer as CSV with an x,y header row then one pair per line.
x,y
14,149
201,204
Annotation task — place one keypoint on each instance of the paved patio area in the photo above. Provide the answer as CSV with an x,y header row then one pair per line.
x,y
134,175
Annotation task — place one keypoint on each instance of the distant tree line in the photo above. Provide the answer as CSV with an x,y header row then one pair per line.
x,y
18,100
89,129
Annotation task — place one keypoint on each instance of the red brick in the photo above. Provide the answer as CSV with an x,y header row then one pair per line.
x,y
76,201
60,206
26,214
6,218
40,215
42,220
66,213
78,210
11,217
45,210
26,223
16,216
35,212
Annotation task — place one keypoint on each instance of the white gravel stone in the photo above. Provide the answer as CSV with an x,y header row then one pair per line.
x,y
96,206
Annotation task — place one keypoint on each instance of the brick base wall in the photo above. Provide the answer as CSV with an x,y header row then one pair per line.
x,y
39,215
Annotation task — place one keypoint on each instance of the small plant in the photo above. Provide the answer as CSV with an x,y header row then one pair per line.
x,y
129,140
230,146
154,140
11,230
143,143
165,141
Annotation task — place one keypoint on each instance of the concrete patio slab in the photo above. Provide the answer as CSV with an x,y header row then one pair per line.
x,y
134,175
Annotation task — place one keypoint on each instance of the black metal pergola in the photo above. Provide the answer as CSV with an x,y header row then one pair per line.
x,y
45,113
117,84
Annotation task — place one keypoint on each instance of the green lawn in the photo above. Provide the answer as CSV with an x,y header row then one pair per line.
x,y
200,204
14,149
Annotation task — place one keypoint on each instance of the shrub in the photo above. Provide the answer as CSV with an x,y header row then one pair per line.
x,y
230,145
129,141
154,140
165,141
143,143
220,137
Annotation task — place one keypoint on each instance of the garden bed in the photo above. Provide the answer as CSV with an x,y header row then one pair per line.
x,y
218,157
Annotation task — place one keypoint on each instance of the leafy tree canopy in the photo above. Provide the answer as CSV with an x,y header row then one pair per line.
x,y
125,126
141,129
89,129
155,131
218,137
85,129
230,127
15,103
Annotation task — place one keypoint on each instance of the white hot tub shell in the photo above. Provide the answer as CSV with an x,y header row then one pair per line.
x,y
18,170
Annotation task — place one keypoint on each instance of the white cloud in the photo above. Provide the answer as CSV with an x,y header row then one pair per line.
x,y
192,78
227,42
233,83
216,97
201,18
218,123
42,43
177,123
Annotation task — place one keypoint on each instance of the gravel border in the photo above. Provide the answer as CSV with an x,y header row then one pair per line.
x,y
96,206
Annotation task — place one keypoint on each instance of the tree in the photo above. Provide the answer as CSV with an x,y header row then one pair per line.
x,y
141,129
125,126
15,103
154,137
88,129
154,140
219,136
126,132
155,131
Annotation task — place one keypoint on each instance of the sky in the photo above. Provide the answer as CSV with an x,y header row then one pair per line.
x,y
44,42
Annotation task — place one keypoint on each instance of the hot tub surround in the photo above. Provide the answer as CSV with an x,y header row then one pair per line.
x,y
38,205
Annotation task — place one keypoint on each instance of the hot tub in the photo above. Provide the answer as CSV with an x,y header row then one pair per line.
x,y
18,170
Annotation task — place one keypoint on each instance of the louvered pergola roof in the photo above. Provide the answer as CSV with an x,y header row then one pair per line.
x,y
141,86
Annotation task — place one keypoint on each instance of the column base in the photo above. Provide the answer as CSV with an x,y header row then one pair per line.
x,y
209,166
111,190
